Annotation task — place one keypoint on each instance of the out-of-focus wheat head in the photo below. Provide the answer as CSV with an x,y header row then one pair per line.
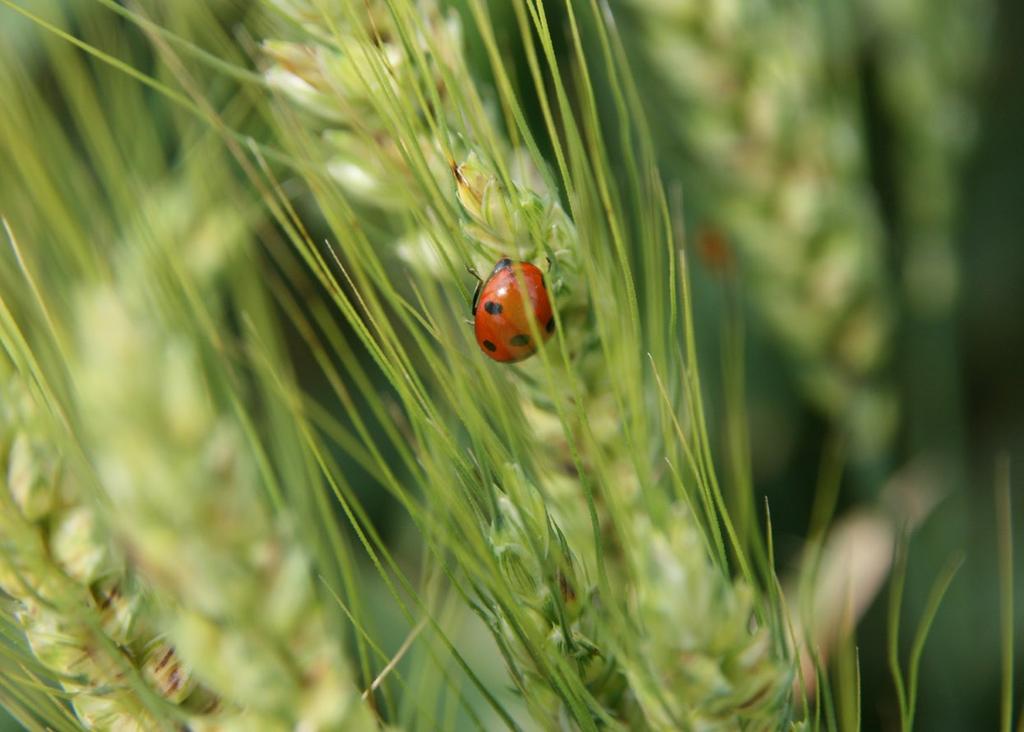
x,y
928,59
80,611
224,590
152,572
232,584
766,127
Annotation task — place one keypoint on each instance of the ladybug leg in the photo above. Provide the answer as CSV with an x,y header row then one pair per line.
x,y
476,292
551,266
550,272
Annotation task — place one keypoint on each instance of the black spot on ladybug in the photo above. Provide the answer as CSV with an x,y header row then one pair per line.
x,y
502,264
494,308
519,340
490,346
550,327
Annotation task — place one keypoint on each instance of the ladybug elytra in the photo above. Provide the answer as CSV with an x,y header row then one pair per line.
x,y
500,319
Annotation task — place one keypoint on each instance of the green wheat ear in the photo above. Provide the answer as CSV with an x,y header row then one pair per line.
x,y
560,453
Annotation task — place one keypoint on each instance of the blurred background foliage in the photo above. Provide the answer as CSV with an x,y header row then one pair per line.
x,y
952,371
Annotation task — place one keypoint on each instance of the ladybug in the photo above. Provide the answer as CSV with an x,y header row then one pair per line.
x,y
499,311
